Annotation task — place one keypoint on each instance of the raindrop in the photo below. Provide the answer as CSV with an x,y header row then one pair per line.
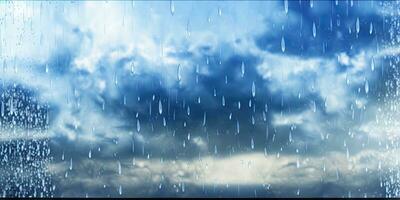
x,y
372,64
366,86
370,28
179,73
253,89
119,168
138,125
237,126
283,44
204,119
115,79
2,109
172,7
314,30
314,107
160,109
286,6
252,143
357,25
70,164
243,69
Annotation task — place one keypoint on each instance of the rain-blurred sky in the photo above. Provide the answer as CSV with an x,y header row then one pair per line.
x,y
205,98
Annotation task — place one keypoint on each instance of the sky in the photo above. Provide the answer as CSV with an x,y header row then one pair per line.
x,y
199,98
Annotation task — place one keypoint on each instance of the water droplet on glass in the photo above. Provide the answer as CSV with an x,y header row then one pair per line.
x,y
357,25
119,168
372,64
243,69
138,125
314,30
179,73
286,6
283,44
70,164
253,89
172,7
370,28
237,126
160,109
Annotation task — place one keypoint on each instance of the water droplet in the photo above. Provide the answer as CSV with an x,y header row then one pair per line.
x,y
179,73
372,64
283,44
243,69
314,107
172,7
314,30
119,168
160,109
370,28
2,109
286,6
70,164
138,125
357,25
366,87
253,89
204,119
237,126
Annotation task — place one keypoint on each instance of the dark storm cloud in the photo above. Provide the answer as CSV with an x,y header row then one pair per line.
x,y
335,25
130,96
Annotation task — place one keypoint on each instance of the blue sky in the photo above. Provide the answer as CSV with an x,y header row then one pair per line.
x,y
201,98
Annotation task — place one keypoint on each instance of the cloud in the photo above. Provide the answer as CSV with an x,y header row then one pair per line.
x,y
122,80
275,174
